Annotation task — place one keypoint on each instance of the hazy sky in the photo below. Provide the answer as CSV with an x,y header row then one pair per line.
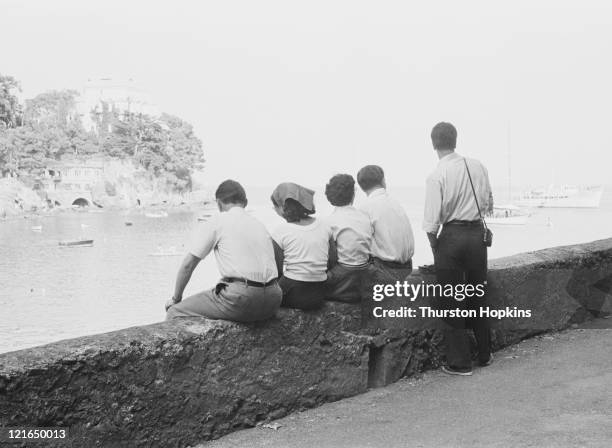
x,y
287,90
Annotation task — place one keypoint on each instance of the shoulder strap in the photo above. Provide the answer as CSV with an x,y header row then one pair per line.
x,y
474,192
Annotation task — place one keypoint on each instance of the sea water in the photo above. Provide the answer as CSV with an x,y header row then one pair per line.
x,y
48,293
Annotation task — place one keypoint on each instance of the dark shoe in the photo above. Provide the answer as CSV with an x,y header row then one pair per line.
x,y
453,371
488,362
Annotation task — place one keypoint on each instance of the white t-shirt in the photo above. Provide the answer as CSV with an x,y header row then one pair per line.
x,y
352,232
306,250
243,247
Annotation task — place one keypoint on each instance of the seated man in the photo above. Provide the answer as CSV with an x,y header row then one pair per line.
x,y
393,240
352,235
248,290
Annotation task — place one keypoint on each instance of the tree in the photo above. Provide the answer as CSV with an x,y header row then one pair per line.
x,y
52,108
10,109
166,147
187,154
25,150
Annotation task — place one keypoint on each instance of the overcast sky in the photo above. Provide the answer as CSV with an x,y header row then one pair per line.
x,y
286,90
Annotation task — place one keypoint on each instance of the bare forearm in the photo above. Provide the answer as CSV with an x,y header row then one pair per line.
x,y
182,279
184,275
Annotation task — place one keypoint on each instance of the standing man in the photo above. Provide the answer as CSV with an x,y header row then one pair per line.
x,y
460,254
248,290
392,238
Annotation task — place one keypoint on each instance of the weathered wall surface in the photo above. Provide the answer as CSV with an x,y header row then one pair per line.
x,y
178,383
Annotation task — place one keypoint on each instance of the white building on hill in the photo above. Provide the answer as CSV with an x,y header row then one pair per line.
x,y
120,95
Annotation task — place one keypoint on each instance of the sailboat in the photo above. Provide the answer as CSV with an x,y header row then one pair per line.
x,y
508,214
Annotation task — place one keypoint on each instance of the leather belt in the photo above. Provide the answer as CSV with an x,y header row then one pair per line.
x,y
248,282
458,222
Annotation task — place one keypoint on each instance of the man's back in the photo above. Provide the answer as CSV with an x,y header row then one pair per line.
x,y
243,248
352,231
393,239
449,195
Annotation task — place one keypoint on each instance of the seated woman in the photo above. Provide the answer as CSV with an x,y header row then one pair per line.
x,y
302,246
352,234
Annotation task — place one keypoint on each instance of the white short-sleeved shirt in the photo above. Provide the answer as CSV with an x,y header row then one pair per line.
x,y
352,232
306,250
393,238
449,195
243,247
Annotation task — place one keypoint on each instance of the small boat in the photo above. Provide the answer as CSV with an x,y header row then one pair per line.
x,y
36,228
76,243
508,215
204,217
161,214
161,252
129,223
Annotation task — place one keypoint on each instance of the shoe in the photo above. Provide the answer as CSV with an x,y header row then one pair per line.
x,y
488,362
452,371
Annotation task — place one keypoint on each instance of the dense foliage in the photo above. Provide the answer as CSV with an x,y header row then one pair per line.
x,y
10,109
166,146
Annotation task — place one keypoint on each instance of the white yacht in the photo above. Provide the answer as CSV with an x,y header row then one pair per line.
x,y
564,196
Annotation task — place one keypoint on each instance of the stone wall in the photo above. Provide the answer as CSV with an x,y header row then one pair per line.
x,y
178,383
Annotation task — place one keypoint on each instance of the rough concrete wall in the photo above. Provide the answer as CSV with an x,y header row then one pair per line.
x,y
178,383
172,384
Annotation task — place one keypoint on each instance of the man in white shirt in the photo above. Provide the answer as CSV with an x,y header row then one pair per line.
x,y
455,192
248,290
392,238
352,235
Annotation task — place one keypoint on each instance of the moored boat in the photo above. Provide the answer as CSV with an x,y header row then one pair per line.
x,y
161,252
161,214
76,243
507,215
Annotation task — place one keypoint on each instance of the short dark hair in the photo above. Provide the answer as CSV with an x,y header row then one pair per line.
x,y
231,192
444,136
293,211
370,176
340,190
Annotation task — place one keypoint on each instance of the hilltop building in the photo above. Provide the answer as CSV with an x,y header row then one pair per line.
x,y
123,96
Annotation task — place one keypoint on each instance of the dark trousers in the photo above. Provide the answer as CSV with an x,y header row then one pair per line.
x,y
461,258
302,295
346,283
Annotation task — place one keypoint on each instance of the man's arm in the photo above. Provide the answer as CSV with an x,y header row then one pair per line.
x,y
489,208
184,274
433,240
188,265
203,241
433,211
